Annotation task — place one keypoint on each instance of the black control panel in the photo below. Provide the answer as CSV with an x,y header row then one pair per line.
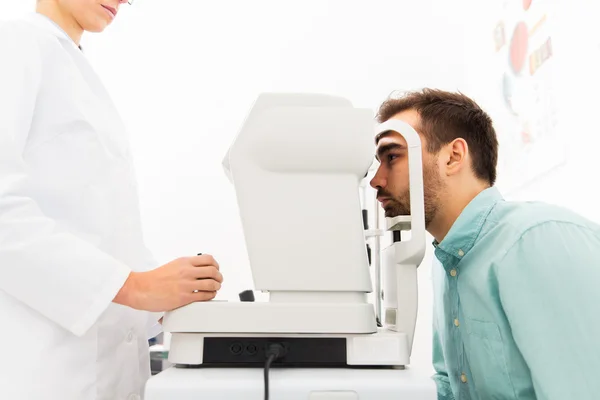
x,y
299,352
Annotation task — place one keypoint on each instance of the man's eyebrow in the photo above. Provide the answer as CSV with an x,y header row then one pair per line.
x,y
387,148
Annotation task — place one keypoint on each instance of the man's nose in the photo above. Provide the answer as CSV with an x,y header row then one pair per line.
x,y
378,180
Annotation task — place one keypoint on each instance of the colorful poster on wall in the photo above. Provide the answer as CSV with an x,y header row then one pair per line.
x,y
517,87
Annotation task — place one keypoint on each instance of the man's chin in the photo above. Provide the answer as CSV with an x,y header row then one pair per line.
x,y
394,213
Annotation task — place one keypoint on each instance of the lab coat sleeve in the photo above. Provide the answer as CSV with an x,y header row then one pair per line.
x,y
549,291
62,277
153,326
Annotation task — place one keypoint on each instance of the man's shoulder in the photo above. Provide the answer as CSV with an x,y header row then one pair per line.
x,y
521,217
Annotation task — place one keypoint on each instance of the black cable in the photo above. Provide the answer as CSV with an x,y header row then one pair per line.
x,y
274,351
268,363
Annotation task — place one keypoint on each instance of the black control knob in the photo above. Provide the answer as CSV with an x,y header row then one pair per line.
x,y
247,295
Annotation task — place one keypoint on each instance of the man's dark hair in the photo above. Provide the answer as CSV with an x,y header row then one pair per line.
x,y
447,116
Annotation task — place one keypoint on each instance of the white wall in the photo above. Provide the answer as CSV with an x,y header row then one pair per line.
x,y
185,73
575,184
576,44
185,77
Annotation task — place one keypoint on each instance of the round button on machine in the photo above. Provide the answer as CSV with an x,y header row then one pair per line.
x,y
236,348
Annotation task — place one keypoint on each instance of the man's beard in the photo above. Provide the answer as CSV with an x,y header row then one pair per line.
x,y
432,188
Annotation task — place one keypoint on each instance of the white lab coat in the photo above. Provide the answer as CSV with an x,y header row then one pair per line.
x,y
69,227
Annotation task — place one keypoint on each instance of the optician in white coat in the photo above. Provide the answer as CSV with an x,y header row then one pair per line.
x,y
74,272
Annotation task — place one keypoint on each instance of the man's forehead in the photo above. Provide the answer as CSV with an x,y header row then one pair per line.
x,y
390,137
410,117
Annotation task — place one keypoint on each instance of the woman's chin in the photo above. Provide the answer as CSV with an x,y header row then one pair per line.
x,y
95,26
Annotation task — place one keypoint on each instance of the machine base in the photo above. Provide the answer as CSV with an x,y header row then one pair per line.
x,y
384,348
276,318
291,384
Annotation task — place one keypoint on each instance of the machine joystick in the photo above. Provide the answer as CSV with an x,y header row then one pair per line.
x,y
247,295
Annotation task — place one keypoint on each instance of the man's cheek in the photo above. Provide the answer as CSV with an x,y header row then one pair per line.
x,y
400,180
403,188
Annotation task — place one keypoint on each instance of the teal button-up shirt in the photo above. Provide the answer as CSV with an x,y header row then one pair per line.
x,y
517,303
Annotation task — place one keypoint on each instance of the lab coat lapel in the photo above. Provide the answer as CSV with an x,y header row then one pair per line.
x,y
45,23
102,112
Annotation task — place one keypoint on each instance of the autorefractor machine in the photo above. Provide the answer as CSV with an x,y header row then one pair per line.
x,y
299,166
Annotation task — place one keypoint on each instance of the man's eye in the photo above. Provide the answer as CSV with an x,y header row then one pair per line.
x,y
391,157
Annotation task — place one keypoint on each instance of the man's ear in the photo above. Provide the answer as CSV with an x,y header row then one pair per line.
x,y
456,153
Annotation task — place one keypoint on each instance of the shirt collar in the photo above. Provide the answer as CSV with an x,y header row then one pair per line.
x,y
465,230
45,23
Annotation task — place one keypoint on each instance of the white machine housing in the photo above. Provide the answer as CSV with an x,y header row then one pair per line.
x,y
296,166
401,259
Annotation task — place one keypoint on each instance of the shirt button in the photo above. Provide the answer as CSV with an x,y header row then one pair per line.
x,y
456,323
461,253
453,272
463,378
130,338
134,396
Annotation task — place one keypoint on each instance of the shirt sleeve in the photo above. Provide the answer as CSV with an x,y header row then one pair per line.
x,y
444,390
441,379
548,287
62,277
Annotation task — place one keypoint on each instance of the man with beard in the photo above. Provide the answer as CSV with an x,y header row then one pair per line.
x,y
516,301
